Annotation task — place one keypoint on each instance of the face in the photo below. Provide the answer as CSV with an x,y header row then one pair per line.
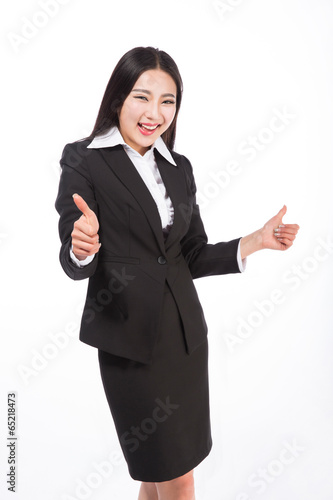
x,y
148,110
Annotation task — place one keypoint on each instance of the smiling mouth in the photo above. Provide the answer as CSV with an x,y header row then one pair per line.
x,y
148,127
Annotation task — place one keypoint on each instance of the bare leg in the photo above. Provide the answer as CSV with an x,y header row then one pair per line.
x,y
148,491
181,488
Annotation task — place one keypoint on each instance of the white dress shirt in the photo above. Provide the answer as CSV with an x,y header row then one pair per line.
x,y
147,168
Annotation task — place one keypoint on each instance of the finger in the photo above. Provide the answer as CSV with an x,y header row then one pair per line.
x,y
286,242
84,248
289,237
83,226
83,235
281,231
85,251
288,226
282,212
82,206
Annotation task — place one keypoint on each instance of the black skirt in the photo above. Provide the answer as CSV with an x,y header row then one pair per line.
x,y
161,411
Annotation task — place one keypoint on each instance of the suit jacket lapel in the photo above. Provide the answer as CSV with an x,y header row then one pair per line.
x,y
121,165
174,184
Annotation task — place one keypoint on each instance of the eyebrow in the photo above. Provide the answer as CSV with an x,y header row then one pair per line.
x,y
149,93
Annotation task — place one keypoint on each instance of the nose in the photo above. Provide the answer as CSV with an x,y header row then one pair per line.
x,y
153,111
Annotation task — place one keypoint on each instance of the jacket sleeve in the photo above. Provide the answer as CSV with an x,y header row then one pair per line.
x,y
74,178
203,258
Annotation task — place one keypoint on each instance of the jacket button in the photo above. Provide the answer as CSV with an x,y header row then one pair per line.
x,y
161,260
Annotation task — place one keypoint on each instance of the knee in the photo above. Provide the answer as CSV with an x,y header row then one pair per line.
x,y
181,487
185,482
148,491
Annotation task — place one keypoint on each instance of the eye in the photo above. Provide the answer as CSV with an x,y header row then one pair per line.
x,y
140,97
169,102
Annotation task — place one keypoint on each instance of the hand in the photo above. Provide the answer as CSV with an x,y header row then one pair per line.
x,y
276,235
273,235
85,239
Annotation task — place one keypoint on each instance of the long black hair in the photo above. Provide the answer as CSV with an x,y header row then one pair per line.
x,y
129,68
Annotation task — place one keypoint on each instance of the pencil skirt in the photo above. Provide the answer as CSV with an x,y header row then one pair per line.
x,y
161,411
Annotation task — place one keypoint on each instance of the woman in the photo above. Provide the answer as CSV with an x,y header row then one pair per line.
x,y
130,223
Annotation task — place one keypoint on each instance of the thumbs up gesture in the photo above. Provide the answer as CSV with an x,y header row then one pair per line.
x,y
273,235
276,235
85,239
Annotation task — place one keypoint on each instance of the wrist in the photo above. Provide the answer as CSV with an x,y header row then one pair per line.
x,y
251,243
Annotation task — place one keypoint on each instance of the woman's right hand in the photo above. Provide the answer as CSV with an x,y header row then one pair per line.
x,y
85,239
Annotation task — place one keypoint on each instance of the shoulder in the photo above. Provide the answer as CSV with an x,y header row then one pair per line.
x,y
75,159
75,153
184,163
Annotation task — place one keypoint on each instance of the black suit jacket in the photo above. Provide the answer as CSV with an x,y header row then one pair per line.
x,y
127,276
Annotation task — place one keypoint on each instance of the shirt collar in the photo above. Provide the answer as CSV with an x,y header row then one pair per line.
x,y
113,137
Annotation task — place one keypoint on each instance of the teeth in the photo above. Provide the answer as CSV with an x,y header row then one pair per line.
x,y
148,127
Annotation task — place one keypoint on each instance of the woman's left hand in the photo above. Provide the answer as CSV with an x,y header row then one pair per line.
x,y
273,235
276,235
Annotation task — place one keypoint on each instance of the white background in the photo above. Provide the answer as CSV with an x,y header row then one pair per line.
x,y
271,382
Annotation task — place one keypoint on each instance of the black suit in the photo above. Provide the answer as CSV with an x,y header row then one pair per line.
x,y
127,276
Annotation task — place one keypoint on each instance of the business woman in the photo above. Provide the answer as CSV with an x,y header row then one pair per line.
x,y
130,223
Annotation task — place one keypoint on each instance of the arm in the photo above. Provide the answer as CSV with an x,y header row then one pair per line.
x,y
75,178
205,259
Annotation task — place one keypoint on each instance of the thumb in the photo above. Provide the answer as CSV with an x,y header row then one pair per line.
x,y
282,212
84,207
